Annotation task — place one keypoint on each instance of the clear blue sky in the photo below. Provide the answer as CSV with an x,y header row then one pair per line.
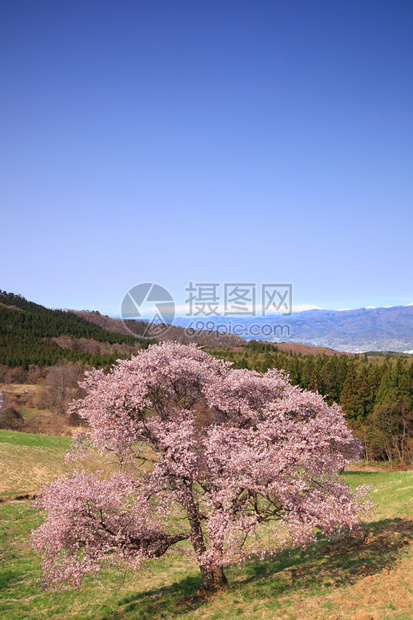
x,y
207,140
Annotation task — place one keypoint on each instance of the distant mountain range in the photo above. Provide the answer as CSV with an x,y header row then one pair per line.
x,y
32,334
363,329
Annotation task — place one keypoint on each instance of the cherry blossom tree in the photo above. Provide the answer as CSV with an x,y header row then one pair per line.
x,y
216,462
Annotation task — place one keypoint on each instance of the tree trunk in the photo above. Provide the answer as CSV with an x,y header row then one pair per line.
x,y
213,578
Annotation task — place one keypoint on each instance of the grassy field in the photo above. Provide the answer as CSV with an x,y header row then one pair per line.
x,y
368,577
26,461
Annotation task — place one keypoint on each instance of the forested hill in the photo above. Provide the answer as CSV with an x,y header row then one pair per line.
x,y
31,334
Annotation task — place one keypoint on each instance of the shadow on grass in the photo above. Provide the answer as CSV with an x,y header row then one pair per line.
x,y
167,601
341,561
326,564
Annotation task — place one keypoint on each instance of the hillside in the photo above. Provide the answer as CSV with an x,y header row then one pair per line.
x,y
31,334
180,334
365,576
306,349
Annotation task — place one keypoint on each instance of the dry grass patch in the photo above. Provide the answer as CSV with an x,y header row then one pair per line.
x,y
27,461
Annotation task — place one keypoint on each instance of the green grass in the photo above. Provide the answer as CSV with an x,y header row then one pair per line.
x,y
330,579
392,491
38,441
257,590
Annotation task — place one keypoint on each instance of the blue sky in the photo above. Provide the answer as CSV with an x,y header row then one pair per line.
x,y
207,141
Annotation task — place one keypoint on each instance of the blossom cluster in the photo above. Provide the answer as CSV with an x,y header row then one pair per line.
x,y
232,462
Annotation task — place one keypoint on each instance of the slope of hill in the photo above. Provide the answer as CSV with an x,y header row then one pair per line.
x,y
363,576
174,332
33,334
306,349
